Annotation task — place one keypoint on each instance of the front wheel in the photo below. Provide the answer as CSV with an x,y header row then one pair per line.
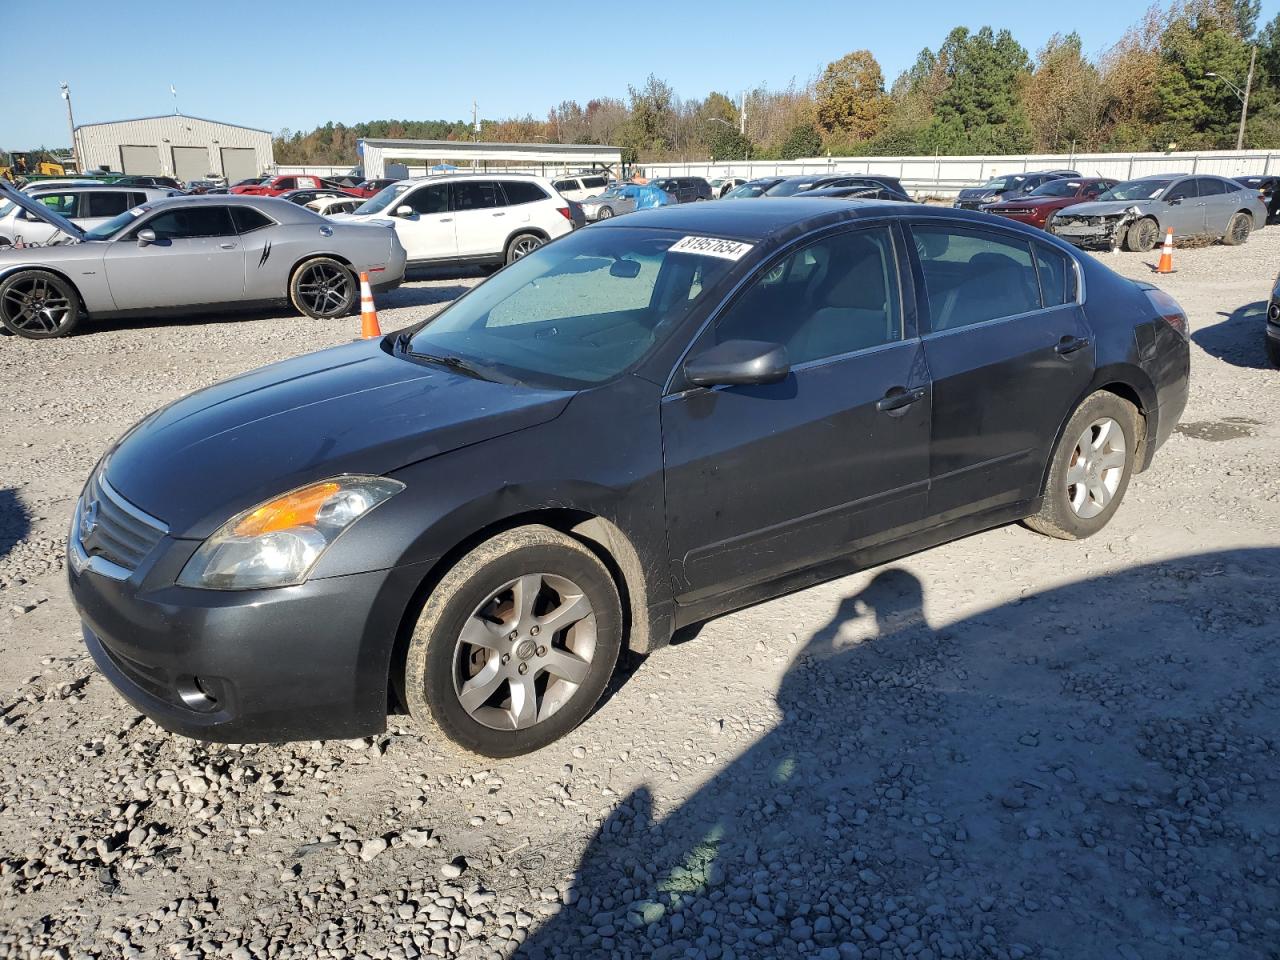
x,y
38,305
323,288
1238,230
523,244
1273,351
515,644
1090,469
1141,237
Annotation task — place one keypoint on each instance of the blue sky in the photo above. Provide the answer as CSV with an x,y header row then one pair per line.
x,y
297,65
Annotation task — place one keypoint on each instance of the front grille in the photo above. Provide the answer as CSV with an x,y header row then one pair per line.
x,y
110,527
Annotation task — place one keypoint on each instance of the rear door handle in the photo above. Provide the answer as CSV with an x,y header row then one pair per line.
x,y
227,246
1070,345
899,398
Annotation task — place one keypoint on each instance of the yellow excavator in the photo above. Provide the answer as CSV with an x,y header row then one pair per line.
x,y
32,164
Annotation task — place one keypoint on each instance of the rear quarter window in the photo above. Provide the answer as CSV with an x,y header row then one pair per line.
x,y
522,191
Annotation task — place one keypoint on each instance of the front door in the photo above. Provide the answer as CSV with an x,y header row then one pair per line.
x,y
1183,209
762,480
1219,205
484,221
195,259
1010,354
428,232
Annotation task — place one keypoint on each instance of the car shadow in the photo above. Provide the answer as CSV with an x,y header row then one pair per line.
x,y
977,789
419,296
1239,339
15,522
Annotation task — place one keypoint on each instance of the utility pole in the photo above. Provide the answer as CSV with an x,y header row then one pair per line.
x,y
1244,101
71,125
742,113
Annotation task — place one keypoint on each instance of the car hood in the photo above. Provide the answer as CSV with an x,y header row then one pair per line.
x,y
1027,203
40,211
977,193
1102,208
352,409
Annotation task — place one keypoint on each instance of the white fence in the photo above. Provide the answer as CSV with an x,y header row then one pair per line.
x,y
946,176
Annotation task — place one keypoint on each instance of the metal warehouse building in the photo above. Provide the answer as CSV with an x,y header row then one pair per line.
x,y
187,148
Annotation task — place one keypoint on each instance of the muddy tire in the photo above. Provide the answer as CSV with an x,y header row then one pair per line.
x,y
1238,229
1141,237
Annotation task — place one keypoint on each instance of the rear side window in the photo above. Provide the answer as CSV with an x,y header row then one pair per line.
x,y
594,183
973,277
563,185
105,203
476,195
191,222
1057,279
433,199
522,191
247,219
1212,187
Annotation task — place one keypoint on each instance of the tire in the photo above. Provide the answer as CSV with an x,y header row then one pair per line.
x,y
1273,351
1238,229
1141,237
604,213
1076,510
522,244
39,305
477,600
323,288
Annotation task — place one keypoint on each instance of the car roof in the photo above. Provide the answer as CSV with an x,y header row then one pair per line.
x,y
276,207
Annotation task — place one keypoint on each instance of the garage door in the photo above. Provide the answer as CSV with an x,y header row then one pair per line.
x,y
190,163
138,159
239,163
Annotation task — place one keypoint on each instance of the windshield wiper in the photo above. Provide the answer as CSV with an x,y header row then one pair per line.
x,y
453,363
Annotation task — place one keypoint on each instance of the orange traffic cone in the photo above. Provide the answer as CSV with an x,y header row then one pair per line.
x,y
368,313
1166,255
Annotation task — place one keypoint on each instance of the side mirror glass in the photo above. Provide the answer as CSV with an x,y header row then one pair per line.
x,y
1174,201
404,210
738,363
626,269
146,237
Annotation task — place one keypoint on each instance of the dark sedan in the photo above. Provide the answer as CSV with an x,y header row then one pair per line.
x,y
1269,190
1007,187
641,425
856,189
1273,325
1036,207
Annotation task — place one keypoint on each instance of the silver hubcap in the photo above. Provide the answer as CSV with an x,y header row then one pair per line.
x,y
1096,468
524,651
35,304
605,213
525,245
325,288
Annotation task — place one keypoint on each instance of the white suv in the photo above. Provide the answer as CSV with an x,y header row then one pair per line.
x,y
574,187
86,204
469,218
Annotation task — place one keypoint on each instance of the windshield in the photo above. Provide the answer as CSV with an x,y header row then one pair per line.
x,y
1056,188
382,199
1002,183
578,311
756,189
105,231
1136,190
789,188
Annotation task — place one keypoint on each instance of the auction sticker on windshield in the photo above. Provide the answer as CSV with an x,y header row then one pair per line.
x,y
711,247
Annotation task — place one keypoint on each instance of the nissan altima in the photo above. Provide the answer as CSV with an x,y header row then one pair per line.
x,y
635,427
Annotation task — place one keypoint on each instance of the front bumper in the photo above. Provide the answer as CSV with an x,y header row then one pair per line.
x,y
973,204
294,663
1106,233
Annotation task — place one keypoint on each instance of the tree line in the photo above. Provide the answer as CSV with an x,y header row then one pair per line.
x,y
1165,84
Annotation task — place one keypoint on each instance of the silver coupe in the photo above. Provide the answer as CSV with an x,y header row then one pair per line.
x,y
191,254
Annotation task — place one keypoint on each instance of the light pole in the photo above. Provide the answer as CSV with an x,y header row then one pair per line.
x,y
71,125
1241,95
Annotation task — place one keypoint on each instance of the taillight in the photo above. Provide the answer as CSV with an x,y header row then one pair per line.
x,y
1170,311
564,212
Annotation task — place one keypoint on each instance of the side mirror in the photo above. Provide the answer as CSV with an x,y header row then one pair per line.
x,y
146,238
626,269
1174,201
404,210
738,363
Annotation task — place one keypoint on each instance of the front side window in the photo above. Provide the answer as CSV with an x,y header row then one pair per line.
x,y
973,277
833,297
287,183
476,195
1185,190
433,199
576,312
66,204
190,223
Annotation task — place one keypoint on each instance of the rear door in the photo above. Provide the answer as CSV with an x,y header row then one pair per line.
x,y
1010,354
427,234
762,480
479,209
196,259
1219,205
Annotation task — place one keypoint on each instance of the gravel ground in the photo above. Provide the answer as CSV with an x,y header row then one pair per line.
x,y
1005,747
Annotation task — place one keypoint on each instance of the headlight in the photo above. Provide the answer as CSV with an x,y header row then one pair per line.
x,y
278,542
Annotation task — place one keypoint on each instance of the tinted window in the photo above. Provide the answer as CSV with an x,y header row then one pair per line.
x,y
191,222
287,183
973,277
247,219
433,199
1183,190
476,195
105,203
566,184
1054,270
1212,187
594,183
831,298
522,191
137,199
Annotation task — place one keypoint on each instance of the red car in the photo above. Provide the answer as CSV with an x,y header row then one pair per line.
x,y
274,186
371,187
1035,208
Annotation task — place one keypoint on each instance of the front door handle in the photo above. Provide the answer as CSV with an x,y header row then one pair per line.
x,y
1070,345
499,214
899,398
227,246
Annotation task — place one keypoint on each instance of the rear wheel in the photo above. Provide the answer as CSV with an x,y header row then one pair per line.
x,y
523,244
515,644
604,213
1238,229
38,305
1090,470
1141,237
323,288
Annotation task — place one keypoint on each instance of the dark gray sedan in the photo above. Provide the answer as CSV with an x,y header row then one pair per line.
x,y
191,254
